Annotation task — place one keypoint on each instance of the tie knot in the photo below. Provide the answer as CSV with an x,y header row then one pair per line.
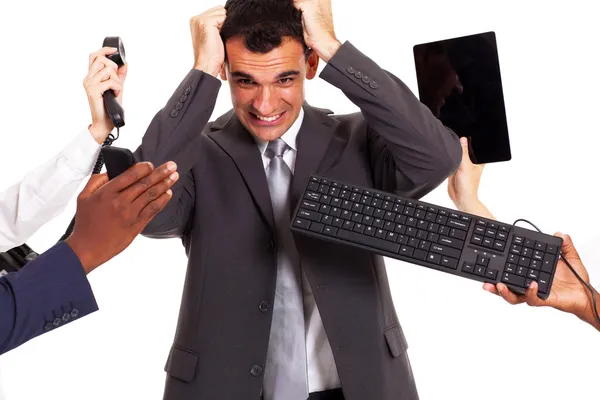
x,y
276,148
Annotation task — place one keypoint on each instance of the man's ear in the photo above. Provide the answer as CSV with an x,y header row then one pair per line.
x,y
312,64
223,72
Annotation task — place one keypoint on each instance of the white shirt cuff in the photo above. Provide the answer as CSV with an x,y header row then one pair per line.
x,y
81,154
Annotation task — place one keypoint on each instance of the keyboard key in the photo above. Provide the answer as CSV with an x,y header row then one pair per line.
x,y
480,270
316,227
406,251
315,179
518,240
538,255
524,261
330,231
491,274
465,218
458,233
369,230
424,245
313,186
312,196
414,242
483,260
513,279
338,222
310,215
348,225
453,223
325,181
502,236
513,259
324,189
529,243
301,223
535,264
468,267
532,274
309,205
420,254
492,225
551,249
445,250
441,220
368,241
487,242
543,282
478,240
527,252
548,263
512,268
480,230
327,220
515,249
444,230
522,271
360,228
490,232
380,233
499,245
434,258
457,244
540,246
449,262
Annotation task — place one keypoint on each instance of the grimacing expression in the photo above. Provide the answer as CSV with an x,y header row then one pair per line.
x,y
267,90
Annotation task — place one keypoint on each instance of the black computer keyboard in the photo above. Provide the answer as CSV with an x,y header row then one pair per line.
x,y
428,235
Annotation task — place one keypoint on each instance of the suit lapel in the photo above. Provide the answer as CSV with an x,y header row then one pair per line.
x,y
237,142
314,140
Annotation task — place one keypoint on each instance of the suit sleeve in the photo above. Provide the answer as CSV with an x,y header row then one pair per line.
x,y
411,152
174,135
47,293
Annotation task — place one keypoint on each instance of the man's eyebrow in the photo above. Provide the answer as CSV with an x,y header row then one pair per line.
x,y
288,73
242,75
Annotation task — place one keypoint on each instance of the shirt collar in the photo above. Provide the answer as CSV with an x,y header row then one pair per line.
x,y
289,137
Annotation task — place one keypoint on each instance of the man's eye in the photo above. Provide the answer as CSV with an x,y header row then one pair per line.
x,y
245,82
285,80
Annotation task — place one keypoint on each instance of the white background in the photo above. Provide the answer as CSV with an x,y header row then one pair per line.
x,y
464,343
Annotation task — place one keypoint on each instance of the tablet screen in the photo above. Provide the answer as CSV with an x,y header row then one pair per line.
x,y
459,81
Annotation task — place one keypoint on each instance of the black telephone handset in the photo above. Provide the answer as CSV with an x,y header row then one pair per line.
x,y
113,108
117,160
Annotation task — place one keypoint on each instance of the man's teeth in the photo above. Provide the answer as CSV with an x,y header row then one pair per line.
x,y
269,119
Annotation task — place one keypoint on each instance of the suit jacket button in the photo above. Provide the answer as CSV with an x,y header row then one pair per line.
x,y
178,106
57,322
48,327
188,90
66,317
256,370
350,70
263,306
183,98
74,313
358,75
374,85
174,113
366,79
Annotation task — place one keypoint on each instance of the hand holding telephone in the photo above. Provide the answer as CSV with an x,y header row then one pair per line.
x,y
113,108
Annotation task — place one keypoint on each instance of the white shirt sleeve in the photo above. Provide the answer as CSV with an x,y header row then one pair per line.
x,y
45,192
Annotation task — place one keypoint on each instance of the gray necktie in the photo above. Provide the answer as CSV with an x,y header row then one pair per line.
x,y
285,371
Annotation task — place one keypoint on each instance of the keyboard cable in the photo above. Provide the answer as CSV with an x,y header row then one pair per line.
x,y
584,283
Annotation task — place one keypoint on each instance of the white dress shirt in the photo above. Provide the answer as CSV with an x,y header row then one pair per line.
x,y
322,371
45,191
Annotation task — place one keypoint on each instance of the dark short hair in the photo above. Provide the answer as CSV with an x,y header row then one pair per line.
x,y
263,24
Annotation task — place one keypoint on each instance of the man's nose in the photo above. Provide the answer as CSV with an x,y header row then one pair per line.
x,y
265,101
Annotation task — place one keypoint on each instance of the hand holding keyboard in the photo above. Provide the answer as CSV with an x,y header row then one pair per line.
x,y
428,235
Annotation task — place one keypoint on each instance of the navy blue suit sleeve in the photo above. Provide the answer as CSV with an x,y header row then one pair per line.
x,y
48,292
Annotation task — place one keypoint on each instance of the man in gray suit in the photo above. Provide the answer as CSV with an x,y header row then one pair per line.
x,y
265,314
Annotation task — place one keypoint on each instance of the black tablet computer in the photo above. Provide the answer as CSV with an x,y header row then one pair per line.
x,y
459,80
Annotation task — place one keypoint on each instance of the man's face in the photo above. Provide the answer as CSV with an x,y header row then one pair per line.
x,y
267,90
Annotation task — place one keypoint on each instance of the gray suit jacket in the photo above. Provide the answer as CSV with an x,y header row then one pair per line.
x,y
221,210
